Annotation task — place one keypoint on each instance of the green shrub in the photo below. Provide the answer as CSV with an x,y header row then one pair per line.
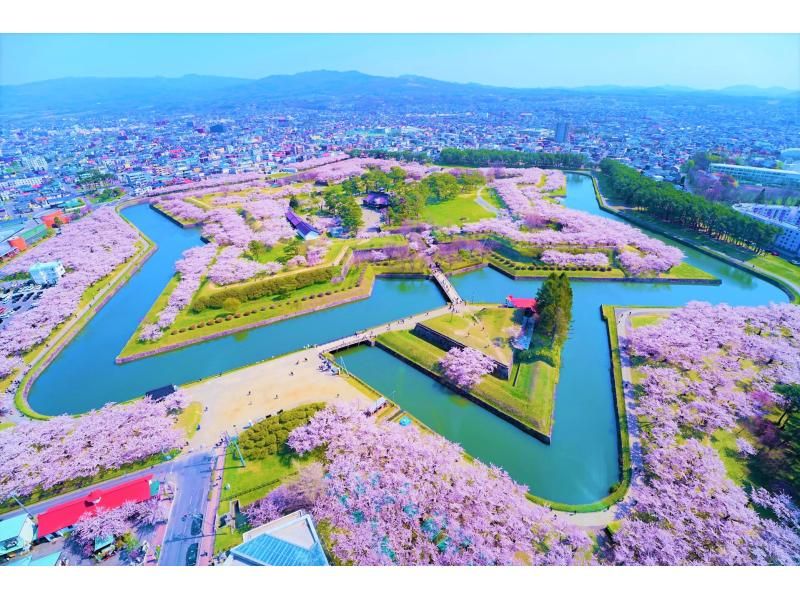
x,y
264,287
269,436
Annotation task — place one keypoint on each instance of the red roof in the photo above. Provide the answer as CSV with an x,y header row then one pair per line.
x,y
68,513
521,303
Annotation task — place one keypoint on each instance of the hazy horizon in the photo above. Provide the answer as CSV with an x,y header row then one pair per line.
x,y
702,62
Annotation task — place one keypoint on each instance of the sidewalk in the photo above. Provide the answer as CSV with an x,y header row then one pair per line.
x,y
206,549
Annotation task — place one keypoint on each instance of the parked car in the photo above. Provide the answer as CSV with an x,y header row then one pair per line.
x,y
191,555
197,524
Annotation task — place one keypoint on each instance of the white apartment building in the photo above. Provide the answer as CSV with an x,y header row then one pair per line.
x,y
785,218
759,176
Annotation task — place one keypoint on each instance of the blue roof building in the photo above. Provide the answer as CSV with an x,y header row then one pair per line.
x,y
47,273
49,560
303,228
290,541
16,534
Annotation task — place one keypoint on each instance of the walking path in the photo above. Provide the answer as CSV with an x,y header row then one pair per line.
x,y
449,290
485,204
210,518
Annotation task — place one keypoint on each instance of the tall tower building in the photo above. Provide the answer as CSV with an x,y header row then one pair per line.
x,y
562,132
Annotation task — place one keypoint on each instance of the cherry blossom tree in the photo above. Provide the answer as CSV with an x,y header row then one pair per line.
x,y
709,368
112,523
44,454
395,495
466,366
89,248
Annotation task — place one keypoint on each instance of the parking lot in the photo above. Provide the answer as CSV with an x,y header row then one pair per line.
x,y
17,297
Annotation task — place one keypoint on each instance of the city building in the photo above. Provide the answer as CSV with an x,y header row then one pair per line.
x,y
16,535
63,516
52,218
290,541
759,176
376,200
787,219
23,238
562,132
47,273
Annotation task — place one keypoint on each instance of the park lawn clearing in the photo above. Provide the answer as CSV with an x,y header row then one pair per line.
x,y
724,442
778,266
522,269
640,321
463,208
189,418
684,271
492,197
516,398
489,330
394,240
264,254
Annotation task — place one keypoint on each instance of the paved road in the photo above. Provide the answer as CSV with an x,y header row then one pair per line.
x,y
191,477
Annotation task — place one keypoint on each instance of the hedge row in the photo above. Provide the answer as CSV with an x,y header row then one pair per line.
x,y
268,437
264,287
553,267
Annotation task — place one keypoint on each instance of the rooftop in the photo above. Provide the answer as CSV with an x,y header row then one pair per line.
x,y
290,541
68,513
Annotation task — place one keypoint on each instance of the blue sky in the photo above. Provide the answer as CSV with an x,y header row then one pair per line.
x,y
701,61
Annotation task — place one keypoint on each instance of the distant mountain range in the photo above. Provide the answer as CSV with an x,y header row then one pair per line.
x,y
314,89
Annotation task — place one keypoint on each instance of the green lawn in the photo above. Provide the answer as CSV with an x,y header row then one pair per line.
x,y
6,425
493,198
515,268
777,266
381,242
264,254
686,271
724,441
189,418
489,330
248,484
649,320
462,209
519,397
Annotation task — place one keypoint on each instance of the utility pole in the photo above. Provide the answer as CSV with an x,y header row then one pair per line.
x,y
22,506
234,441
